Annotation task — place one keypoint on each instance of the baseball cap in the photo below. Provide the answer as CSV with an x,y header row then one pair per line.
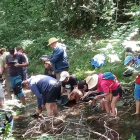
x,y
63,75
128,59
11,50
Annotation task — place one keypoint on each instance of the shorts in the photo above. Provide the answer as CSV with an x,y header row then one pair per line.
x,y
53,95
137,92
117,92
14,81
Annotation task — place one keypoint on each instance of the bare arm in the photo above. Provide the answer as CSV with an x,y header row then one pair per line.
x,y
90,92
100,96
6,66
1,70
22,65
136,73
62,90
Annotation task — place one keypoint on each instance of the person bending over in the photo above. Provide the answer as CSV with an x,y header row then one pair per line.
x,y
111,88
75,95
90,94
47,91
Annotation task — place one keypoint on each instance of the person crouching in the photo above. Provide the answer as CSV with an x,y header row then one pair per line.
x,y
75,95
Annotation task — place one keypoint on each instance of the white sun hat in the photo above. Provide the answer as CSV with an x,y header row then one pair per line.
x,y
92,81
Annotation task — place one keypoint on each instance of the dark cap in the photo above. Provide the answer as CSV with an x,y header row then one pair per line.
x,y
11,50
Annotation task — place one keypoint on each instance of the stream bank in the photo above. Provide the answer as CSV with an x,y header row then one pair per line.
x,y
80,121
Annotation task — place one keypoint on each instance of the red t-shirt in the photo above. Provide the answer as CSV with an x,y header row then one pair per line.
x,y
138,79
105,84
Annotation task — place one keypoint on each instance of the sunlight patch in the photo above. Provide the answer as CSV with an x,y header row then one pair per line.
x,y
132,44
109,46
113,58
89,72
25,43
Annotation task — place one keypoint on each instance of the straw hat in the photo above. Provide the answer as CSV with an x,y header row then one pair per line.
x,y
92,81
52,40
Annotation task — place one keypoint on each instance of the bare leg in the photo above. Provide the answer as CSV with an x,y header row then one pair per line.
x,y
106,103
137,107
102,104
51,109
93,102
54,109
113,105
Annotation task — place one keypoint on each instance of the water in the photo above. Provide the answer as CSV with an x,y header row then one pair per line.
x,y
21,121
125,126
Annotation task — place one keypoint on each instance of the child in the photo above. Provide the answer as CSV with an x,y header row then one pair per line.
x,y
75,95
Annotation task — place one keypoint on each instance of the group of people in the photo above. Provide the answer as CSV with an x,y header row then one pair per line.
x,y
56,81
13,67
48,89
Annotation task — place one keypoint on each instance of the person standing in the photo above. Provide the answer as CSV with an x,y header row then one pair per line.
x,y
25,73
5,72
15,62
47,91
135,69
59,57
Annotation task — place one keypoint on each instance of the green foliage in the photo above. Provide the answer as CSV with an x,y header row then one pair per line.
x,y
133,137
18,112
32,23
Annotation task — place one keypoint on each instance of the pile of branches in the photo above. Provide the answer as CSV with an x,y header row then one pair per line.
x,y
58,129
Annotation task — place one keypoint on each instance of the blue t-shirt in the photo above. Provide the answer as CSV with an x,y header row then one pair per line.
x,y
41,84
